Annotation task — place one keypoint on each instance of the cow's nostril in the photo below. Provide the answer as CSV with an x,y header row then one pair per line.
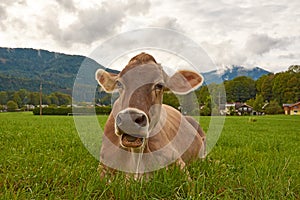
x,y
141,120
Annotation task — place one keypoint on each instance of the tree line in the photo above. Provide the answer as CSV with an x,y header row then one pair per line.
x,y
267,94
18,99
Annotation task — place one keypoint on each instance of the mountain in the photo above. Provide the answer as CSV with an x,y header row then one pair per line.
x,y
23,68
27,68
230,72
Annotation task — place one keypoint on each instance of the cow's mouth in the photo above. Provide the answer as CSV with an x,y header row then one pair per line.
x,y
131,141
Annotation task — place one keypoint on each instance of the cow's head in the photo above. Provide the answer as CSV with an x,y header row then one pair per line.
x,y
140,86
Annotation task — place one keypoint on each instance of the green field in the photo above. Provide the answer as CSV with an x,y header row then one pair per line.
x,y
43,158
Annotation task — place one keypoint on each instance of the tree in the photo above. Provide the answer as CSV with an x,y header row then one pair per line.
x,y
12,106
259,82
258,103
202,94
17,99
3,98
34,98
232,111
250,102
171,100
286,87
23,95
53,99
46,100
273,108
63,99
103,98
215,92
293,87
206,110
264,86
189,104
279,87
240,89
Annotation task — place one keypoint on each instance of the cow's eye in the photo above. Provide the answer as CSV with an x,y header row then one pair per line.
x,y
159,86
119,85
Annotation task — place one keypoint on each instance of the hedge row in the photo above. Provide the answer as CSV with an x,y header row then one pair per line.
x,y
103,110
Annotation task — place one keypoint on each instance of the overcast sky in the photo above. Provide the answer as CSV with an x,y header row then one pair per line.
x,y
239,32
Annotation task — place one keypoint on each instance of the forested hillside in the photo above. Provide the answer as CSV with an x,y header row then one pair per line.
x,y
27,68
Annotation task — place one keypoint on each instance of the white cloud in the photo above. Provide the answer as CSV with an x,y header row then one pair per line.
x,y
138,7
289,56
262,43
264,33
2,17
225,53
90,24
68,5
167,22
94,24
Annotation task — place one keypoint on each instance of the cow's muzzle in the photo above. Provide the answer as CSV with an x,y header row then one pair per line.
x,y
132,127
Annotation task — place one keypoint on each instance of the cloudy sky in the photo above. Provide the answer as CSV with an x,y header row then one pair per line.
x,y
239,32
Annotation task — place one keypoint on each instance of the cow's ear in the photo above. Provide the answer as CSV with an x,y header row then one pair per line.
x,y
183,82
106,80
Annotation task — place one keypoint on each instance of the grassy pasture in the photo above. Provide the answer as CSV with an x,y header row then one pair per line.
x,y
43,158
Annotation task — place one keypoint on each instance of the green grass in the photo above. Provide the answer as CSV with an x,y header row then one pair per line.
x,y
43,158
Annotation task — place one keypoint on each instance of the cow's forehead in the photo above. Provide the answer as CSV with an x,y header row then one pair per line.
x,y
143,74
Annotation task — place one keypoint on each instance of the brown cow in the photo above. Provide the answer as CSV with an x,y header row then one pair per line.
x,y
142,134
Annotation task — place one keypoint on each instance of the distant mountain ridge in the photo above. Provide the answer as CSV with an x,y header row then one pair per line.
x,y
230,72
24,68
